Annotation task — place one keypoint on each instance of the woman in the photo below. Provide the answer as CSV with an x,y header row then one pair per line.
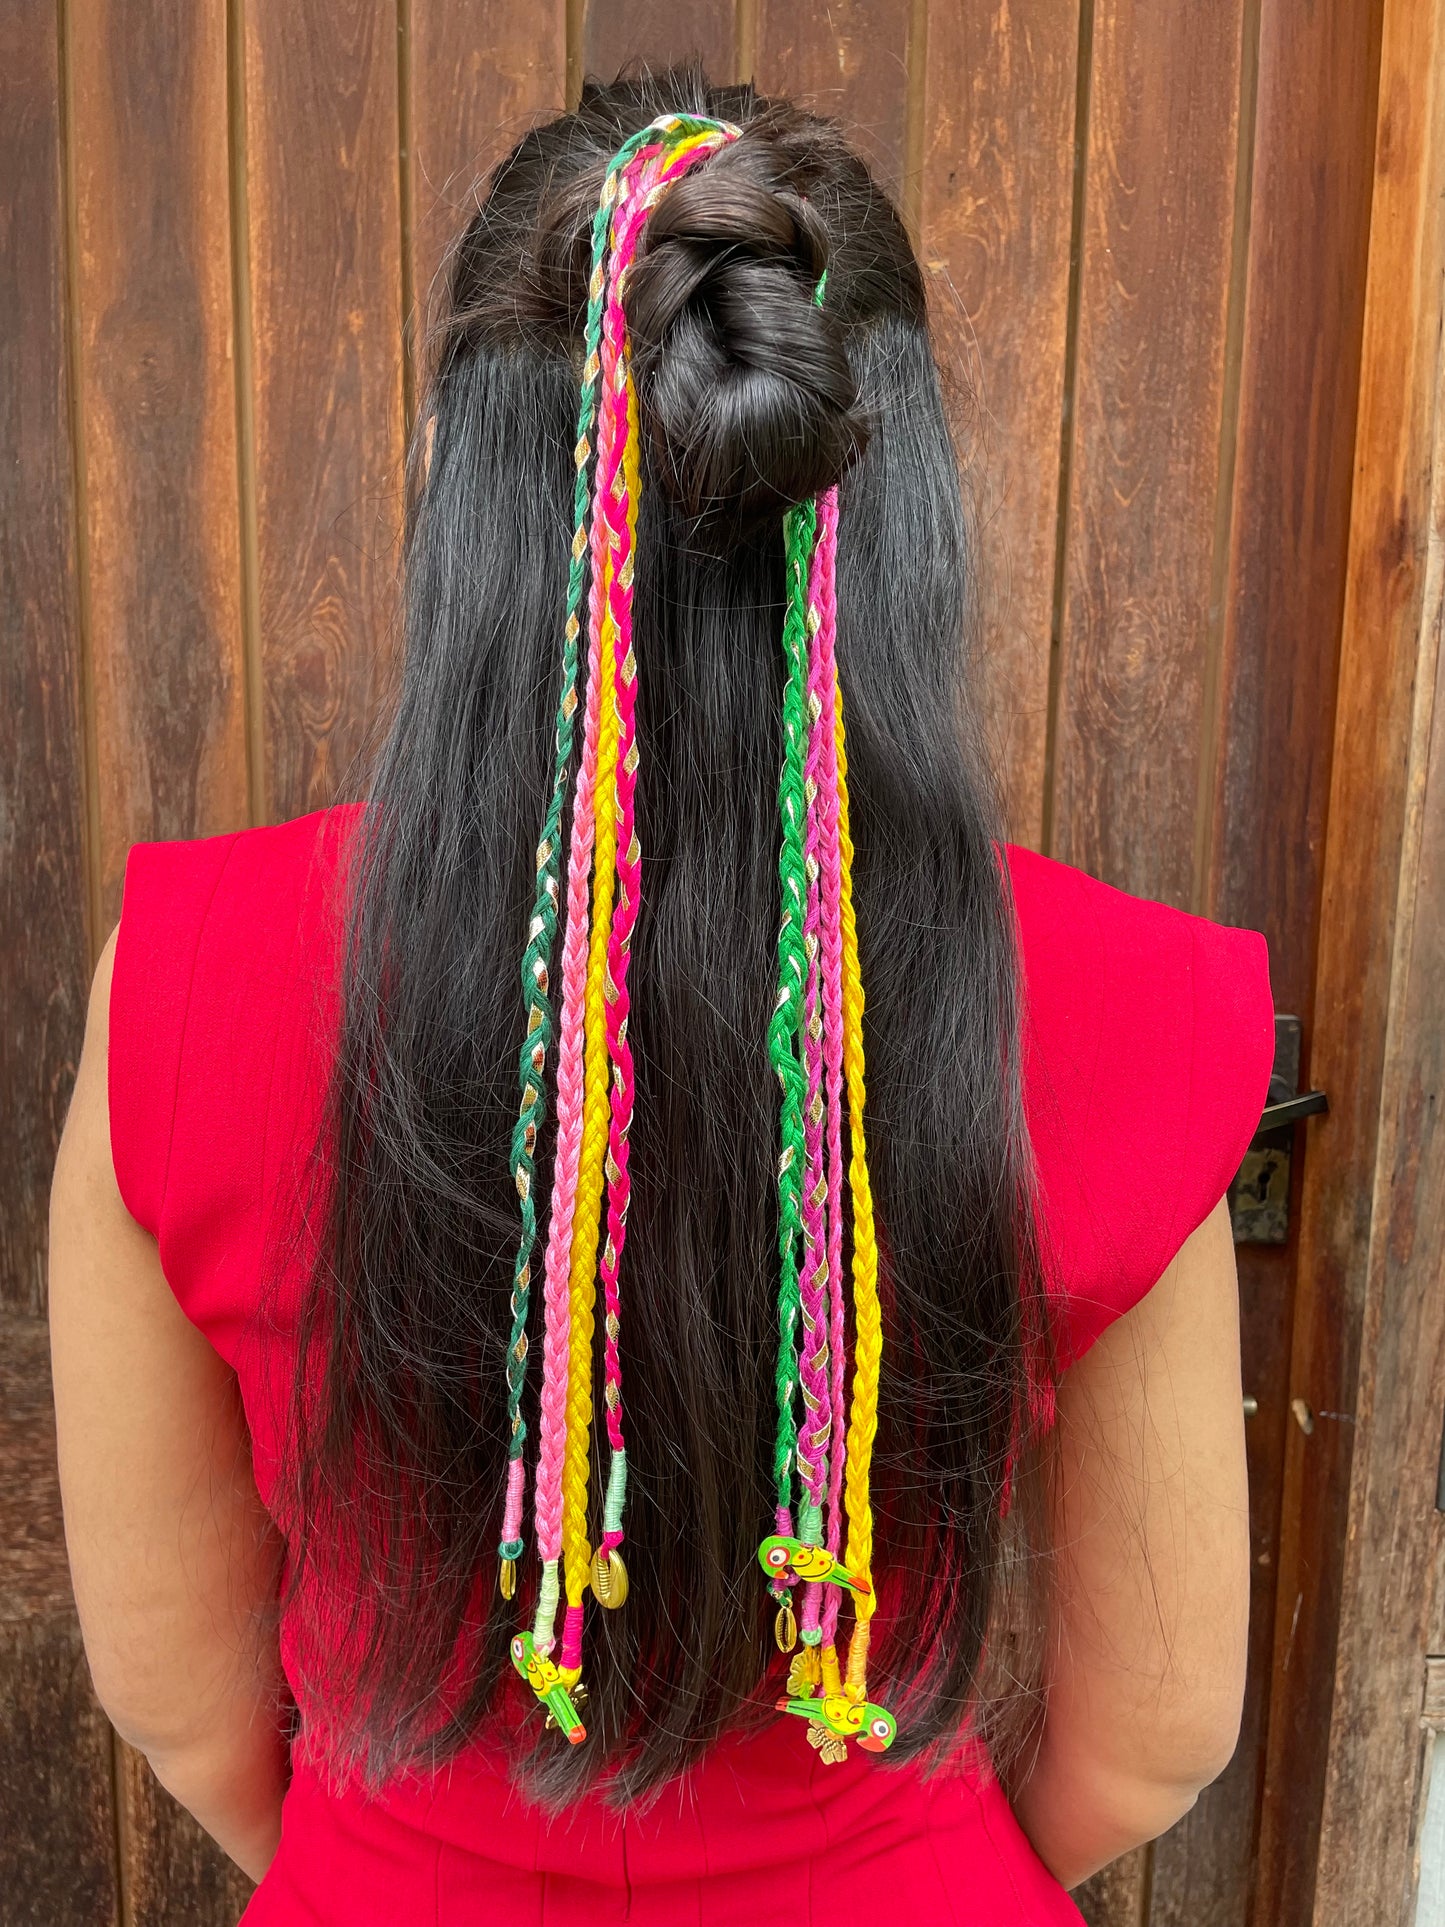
x,y
955,1421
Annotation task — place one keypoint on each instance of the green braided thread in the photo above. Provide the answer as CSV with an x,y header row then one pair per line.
x,y
542,930
785,1028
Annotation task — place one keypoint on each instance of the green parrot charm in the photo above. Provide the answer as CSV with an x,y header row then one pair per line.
x,y
546,1682
834,1718
779,1554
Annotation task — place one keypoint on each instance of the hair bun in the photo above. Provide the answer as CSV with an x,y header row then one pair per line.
x,y
746,393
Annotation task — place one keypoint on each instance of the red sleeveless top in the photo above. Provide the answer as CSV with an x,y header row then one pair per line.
x,y
1148,1042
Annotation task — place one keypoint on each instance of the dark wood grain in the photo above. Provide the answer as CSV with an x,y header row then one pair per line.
x,y
1360,1536
153,294
324,261
57,1845
43,935
1154,271
175,1874
1118,1896
849,60
617,33
478,77
996,198
34,1573
57,1850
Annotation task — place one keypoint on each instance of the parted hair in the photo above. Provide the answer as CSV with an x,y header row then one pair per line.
x,y
752,397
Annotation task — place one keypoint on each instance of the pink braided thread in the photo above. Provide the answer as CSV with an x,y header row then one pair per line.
x,y
823,590
552,1423
814,1440
613,498
620,511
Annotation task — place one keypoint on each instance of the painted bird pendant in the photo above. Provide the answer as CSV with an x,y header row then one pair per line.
x,y
834,1718
547,1683
779,1554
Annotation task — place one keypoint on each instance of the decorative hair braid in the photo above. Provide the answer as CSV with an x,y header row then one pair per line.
x,y
815,1044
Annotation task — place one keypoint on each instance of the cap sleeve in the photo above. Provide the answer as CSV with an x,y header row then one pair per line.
x,y
1148,1040
167,894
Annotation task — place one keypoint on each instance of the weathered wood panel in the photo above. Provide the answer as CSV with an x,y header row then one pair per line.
x,y
996,200
1293,453
1140,525
477,77
1377,1296
57,1842
43,936
152,287
324,270
848,60
617,33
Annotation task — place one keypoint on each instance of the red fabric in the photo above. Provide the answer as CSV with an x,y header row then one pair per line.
x,y
1148,1039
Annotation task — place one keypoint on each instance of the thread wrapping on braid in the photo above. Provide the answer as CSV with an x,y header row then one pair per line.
x,y
815,1045
822,1280
592,1131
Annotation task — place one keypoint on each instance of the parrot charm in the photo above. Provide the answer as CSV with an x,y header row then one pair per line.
x,y
547,1683
778,1555
835,1718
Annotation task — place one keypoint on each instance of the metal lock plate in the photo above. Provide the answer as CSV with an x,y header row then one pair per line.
x,y
1259,1193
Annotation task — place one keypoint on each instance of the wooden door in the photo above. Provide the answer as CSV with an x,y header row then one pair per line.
x,y
1146,233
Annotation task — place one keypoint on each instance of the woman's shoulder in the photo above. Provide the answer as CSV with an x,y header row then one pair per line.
x,y
1148,1040
223,978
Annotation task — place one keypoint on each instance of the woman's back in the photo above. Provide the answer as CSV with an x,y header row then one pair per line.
x,y
1147,1044
684,1204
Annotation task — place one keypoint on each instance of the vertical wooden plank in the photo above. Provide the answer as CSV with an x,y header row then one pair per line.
x,y
43,937
57,1843
1118,1895
848,60
153,295
1154,277
1369,1242
476,79
323,264
1307,144
1393,1586
175,1874
996,197
659,32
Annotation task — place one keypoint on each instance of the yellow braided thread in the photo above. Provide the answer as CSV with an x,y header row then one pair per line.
x,y
867,1312
577,1552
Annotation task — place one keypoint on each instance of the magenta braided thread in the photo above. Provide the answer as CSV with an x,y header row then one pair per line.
x,y
822,591
552,1421
571,1057
618,506
820,1279
618,487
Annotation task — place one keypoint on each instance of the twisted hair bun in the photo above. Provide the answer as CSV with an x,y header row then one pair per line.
x,y
746,392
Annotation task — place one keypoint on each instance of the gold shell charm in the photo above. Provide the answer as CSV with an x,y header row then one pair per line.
x,y
785,1628
507,1578
609,1577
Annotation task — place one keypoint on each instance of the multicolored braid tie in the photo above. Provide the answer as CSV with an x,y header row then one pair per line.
x,y
815,1041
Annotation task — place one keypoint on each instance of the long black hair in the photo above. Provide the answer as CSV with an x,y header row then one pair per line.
x,y
751,397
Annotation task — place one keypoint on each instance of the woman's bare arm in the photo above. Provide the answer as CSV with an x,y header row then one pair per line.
x,y
170,1548
1152,1534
